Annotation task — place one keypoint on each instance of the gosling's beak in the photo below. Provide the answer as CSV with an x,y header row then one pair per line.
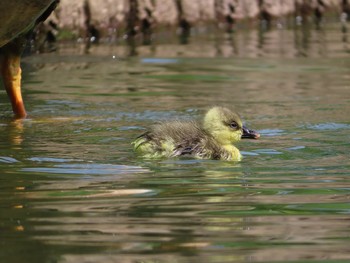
x,y
249,134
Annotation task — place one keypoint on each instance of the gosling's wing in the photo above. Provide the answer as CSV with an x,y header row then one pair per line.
x,y
187,148
203,148
153,145
170,139
181,151
142,139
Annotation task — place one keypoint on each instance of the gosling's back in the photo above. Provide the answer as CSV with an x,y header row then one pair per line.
x,y
178,138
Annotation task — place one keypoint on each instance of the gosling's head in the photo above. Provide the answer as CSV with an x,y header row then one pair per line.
x,y
226,126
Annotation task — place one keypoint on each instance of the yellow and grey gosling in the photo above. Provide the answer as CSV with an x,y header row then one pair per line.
x,y
213,139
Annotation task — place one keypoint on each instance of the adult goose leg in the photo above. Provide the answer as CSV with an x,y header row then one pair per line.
x,y
10,58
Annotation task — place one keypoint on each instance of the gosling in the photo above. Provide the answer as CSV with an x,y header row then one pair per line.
x,y
213,139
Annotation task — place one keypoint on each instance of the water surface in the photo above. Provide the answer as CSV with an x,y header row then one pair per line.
x,y
72,190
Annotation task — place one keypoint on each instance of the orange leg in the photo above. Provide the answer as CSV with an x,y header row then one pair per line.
x,y
11,73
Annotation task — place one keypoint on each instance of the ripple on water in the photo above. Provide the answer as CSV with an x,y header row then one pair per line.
x,y
267,151
147,115
5,159
159,60
87,169
50,159
271,132
295,148
328,126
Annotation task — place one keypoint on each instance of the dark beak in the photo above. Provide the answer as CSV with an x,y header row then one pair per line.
x,y
249,134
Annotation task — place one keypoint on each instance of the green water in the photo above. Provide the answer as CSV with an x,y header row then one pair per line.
x,y
72,190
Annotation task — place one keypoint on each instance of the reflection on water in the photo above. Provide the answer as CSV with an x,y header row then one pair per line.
x,y
72,190
331,40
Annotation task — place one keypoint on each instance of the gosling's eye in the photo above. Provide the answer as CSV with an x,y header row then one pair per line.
x,y
234,125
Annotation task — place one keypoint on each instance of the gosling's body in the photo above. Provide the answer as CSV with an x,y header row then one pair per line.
x,y
212,140
182,139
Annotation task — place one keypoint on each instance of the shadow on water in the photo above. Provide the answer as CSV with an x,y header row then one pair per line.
x,y
72,190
